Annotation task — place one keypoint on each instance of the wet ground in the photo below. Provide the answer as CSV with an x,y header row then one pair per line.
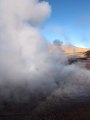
x,y
63,109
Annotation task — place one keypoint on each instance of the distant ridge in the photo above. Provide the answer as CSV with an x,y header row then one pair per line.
x,y
69,49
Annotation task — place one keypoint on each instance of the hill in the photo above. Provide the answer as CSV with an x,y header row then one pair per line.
x,y
69,50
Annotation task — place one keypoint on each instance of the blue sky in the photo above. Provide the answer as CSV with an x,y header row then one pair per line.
x,y
69,22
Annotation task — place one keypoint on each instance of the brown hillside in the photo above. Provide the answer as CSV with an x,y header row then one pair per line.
x,y
70,50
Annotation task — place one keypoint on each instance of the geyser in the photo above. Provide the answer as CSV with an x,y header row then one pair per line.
x,y
28,71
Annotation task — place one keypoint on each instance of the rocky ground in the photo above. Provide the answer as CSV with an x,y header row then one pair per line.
x,y
65,108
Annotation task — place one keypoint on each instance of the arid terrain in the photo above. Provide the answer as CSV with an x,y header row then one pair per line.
x,y
70,50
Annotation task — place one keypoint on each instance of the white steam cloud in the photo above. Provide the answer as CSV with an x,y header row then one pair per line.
x,y
25,56
21,42
27,69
